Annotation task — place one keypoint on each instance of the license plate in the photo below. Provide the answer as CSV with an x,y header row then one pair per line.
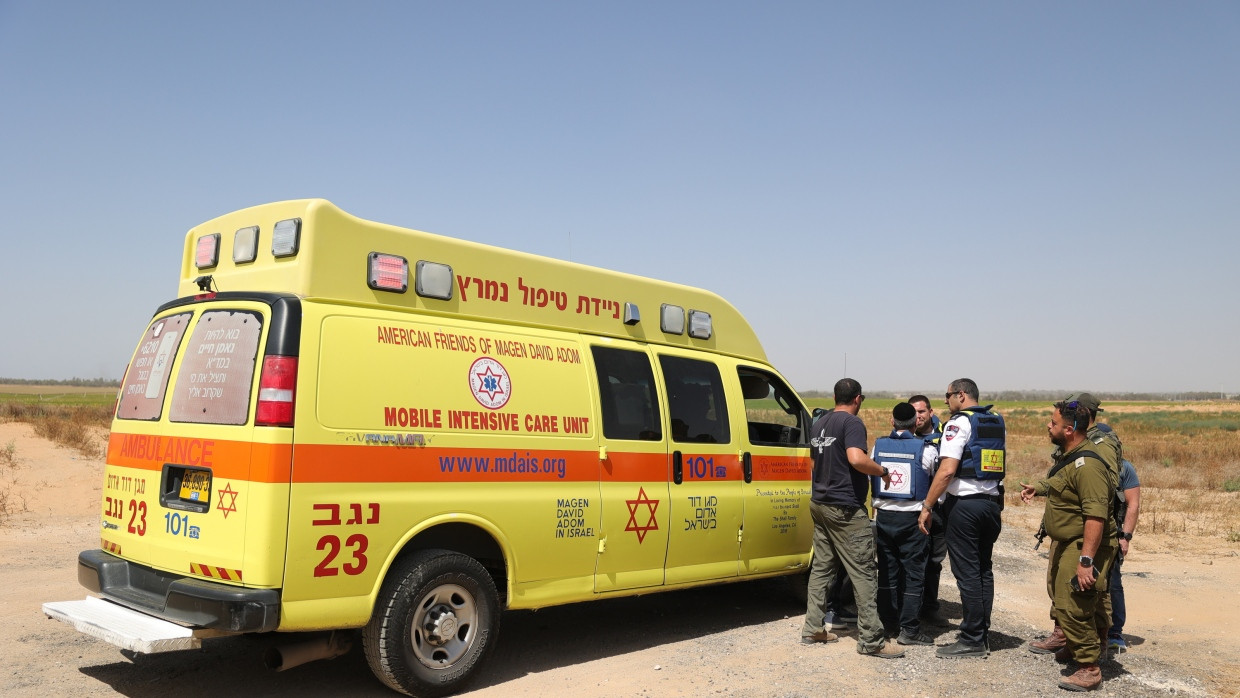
x,y
196,487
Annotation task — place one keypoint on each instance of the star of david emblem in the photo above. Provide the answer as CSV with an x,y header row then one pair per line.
x,y
231,494
651,524
490,383
897,479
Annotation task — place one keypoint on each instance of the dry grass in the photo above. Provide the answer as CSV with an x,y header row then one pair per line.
x,y
1187,457
72,426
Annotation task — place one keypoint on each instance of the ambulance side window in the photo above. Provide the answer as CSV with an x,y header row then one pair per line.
x,y
699,412
627,394
774,415
146,381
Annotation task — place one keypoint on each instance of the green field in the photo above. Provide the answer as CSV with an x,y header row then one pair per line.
x,y
56,394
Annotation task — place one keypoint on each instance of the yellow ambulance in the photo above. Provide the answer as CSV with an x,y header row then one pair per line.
x,y
342,425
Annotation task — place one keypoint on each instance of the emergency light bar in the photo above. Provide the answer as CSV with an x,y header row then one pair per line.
x,y
433,280
245,245
387,272
672,319
207,254
699,324
286,237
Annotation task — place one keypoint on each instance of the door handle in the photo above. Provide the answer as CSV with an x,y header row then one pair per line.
x,y
747,460
678,468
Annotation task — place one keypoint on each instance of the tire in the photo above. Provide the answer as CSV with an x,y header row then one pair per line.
x,y
436,617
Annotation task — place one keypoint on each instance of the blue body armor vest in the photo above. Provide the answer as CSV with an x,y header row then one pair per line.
x,y
983,457
901,454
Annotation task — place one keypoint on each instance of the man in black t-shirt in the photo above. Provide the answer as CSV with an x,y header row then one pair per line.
x,y
842,532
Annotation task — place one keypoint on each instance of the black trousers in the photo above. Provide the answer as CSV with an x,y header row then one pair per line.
x,y
973,526
935,556
902,549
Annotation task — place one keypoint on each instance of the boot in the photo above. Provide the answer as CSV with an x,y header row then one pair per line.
x,y
1087,678
1054,643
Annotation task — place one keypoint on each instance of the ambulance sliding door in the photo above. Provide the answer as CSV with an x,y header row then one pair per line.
x,y
634,473
706,476
778,529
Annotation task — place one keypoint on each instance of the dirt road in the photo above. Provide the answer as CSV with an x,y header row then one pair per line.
x,y
731,640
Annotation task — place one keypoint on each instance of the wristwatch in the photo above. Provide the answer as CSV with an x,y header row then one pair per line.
x,y
886,472
1124,536
1087,561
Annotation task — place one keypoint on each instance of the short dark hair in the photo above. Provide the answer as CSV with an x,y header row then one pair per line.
x,y
846,390
1079,414
966,386
919,398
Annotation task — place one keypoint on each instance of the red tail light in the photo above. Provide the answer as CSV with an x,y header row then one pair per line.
x,y
277,388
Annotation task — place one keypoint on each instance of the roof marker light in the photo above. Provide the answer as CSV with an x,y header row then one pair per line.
x,y
700,326
286,237
245,245
433,280
672,319
207,253
387,272
632,315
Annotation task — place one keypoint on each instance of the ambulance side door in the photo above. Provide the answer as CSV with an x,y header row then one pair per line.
x,y
778,529
706,476
634,473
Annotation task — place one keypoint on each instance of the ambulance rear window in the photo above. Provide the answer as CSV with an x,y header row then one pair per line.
x,y
217,369
146,381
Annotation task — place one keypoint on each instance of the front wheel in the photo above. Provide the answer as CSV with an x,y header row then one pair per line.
x,y
436,616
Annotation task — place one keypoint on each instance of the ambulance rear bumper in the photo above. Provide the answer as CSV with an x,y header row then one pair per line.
x,y
192,602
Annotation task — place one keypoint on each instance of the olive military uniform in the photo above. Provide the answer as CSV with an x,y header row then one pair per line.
x,y
1106,444
1084,486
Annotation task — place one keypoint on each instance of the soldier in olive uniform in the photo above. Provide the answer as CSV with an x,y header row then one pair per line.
x,y
1103,438
1079,519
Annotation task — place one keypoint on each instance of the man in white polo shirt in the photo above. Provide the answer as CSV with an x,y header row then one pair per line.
x,y
971,469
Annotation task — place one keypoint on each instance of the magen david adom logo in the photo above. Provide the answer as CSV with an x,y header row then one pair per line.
x,y
489,382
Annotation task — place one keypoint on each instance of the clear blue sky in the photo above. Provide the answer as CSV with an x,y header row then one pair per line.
x,y
1034,195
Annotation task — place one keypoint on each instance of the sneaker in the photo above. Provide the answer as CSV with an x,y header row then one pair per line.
x,y
907,638
838,621
888,650
1087,678
962,649
823,636
1117,645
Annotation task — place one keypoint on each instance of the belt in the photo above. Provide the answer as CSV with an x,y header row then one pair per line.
x,y
996,498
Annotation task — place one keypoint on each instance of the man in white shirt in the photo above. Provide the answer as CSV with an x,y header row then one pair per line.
x,y
971,468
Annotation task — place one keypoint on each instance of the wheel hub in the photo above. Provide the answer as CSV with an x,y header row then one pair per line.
x,y
441,625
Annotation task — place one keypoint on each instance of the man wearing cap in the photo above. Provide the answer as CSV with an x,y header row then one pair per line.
x,y
842,531
1078,518
971,469
928,426
1104,439
910,459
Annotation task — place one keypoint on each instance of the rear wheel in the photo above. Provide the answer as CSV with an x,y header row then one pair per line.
x,y
436,616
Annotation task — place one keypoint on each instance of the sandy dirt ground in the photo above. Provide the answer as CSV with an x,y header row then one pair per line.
x,y
729,640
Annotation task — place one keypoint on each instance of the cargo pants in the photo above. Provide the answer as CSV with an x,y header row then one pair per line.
x,y
843,537
1084,616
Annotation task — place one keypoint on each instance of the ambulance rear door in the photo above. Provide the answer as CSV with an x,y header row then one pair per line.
x,y
192,487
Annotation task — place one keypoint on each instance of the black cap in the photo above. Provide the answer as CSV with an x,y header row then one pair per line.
x,y
903,412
